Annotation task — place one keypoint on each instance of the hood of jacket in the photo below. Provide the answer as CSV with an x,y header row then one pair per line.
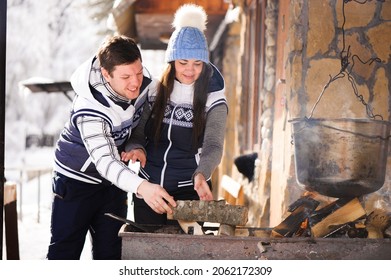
x,y
80,81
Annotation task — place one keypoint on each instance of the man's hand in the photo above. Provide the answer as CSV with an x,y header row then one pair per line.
x,y
202,187
134,155
156,197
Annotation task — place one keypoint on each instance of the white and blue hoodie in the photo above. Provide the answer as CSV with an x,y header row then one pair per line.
x,y
100,123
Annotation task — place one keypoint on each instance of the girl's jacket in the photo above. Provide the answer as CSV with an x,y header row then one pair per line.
x,y
173,161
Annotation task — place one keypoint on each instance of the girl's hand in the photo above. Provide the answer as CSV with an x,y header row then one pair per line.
x,y
134,155
202,187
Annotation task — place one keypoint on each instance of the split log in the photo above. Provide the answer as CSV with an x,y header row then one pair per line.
x,y
301,210
209,211
357,230
192,228
323,212
227,230
306,201
387,232
376,223
257,232
322,199
349,212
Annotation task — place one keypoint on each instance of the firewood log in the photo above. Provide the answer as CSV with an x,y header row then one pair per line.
x,y
323,212
301,210
209,211
226,230
376,223
192,228
349,212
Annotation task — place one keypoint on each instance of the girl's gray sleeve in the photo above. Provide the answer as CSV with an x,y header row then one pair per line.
x,y
212,148
137,138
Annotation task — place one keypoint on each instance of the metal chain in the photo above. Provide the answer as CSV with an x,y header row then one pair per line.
x,y
345,71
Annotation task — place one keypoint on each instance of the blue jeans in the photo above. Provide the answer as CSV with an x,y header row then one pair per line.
x,y
79,207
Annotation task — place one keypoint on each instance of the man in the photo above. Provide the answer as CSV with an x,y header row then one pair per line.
x,y
89,178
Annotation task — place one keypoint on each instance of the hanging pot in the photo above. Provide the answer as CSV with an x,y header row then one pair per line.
x,y
340,157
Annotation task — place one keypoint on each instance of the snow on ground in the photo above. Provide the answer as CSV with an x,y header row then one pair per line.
x,y
34,208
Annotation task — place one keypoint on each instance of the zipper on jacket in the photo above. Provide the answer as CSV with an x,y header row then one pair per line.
x,y
168,148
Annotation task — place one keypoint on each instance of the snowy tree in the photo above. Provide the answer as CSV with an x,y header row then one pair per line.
x,y
46,41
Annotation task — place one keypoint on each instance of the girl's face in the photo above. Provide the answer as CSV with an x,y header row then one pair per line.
x,y
187,71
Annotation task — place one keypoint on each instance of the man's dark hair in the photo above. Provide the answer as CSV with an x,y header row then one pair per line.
x,y
118,50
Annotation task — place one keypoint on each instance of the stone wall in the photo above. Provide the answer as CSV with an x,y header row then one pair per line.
x,y
316,49
319,35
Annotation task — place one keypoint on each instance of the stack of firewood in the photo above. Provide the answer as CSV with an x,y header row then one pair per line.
x,y
344,217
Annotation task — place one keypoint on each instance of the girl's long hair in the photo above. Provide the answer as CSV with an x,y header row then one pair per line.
x,y
199,101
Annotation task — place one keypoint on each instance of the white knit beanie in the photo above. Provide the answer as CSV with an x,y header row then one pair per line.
x,y
188,40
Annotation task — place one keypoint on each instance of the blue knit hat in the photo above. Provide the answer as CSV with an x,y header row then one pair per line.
x,y
188,40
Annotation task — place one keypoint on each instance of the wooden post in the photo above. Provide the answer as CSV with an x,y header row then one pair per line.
x,y
11,222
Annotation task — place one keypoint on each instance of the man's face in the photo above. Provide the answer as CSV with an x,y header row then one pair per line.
x,y
187,71
126,79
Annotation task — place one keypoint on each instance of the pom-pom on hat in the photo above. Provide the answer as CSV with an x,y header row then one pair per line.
x,y
188,40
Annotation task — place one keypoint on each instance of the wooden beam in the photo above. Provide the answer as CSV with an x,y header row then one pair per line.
x,y
209,211
212,7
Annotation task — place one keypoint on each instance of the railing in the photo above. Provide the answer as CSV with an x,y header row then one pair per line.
x,y
24,176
